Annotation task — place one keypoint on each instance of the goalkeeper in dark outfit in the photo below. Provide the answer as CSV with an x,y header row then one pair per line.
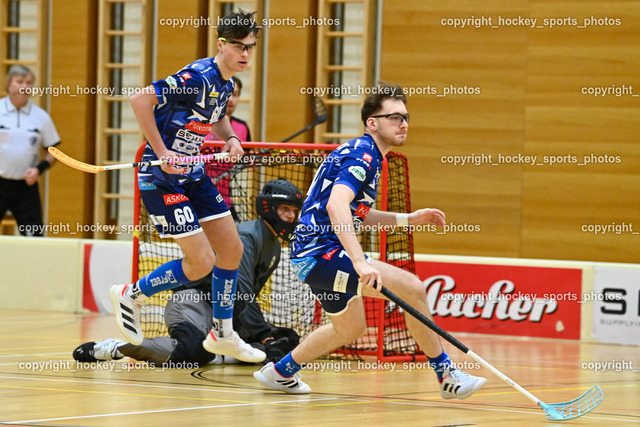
x,y
188,314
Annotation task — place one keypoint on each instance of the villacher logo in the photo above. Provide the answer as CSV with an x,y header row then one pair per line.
x,y
499,301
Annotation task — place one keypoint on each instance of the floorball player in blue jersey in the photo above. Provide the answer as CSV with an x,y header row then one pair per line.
x,y
327,255
175,114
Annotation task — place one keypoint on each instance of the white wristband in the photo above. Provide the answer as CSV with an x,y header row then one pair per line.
x,y
402,219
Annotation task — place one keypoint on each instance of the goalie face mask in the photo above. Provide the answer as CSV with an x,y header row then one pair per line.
x,y
275,193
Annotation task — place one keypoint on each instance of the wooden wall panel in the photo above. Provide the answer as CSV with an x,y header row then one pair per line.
x,y
530,103
559,200
418,51
561,209
73,59
178,46
290,67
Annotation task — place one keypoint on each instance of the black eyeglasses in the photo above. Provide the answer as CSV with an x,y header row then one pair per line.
x,y
239,46
394,117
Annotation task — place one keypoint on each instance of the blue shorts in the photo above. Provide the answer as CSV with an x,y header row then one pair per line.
x,y
334,281
178,211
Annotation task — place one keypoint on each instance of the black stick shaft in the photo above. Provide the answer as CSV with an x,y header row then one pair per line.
x,y
424,320
300,131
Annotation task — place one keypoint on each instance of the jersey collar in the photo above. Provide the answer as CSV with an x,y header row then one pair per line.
x,y
375,146
10,108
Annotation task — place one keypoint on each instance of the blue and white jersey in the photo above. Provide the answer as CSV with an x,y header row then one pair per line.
x,y
190,101
357,164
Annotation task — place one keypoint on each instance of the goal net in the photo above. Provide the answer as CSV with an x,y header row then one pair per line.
x,y
285,300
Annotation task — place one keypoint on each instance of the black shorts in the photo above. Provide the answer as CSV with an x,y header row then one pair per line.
x,y
334,281
178,211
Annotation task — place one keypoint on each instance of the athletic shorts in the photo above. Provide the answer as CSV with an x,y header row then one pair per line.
x,y
334,281
178,211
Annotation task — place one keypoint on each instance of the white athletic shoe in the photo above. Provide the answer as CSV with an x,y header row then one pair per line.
x,y
233,346
93,351
127,313
272,379
459,384
224,360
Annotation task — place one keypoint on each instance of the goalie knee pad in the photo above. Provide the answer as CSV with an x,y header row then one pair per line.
x,y
189,345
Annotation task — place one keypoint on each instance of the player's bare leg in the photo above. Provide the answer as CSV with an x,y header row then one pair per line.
x,y
408,287
199,258
454,383
351,324
222,339
344,329
223,237
126,299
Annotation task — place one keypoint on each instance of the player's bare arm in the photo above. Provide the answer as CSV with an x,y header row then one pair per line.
x,y
342,223
142,104
224,131
420,216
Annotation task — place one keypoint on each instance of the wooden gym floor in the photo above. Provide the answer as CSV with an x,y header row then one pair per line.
x,y
40,384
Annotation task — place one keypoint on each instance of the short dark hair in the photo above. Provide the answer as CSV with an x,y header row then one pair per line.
x,y
381,91
238,25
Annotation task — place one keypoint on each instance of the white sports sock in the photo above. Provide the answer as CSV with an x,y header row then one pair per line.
x,y
117,354
133,291
223,327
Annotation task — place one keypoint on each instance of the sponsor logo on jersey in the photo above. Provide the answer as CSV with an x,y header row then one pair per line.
x,y
364,162
357,222
186,76
219,198
172,199
329,254
362,210
303,266
367,157
199,127
214,94
340,283
159,220
189,140
358,172
143,185
171,82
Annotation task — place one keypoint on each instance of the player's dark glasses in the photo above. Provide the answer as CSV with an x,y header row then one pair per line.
x,y
239,46
394,117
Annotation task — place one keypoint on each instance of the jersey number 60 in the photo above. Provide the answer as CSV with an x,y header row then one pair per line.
x,y
183,215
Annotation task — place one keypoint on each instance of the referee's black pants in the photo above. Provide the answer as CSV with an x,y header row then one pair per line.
x,y
24,203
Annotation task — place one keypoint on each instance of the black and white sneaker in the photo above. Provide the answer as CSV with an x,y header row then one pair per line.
x,y
127,313
272,379
459,384
93,351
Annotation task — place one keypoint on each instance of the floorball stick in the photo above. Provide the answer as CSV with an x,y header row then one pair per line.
x,y
553,411
86,167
